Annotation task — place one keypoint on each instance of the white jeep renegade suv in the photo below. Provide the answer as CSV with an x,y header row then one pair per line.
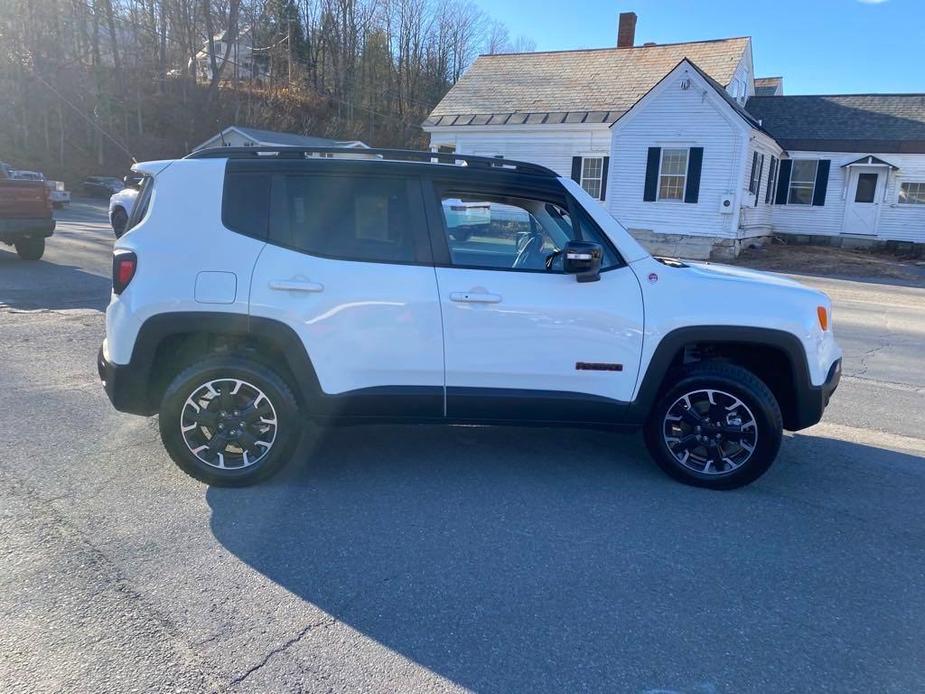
x,y
259,289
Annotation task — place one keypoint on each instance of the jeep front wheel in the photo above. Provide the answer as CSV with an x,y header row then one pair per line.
x,y
229,421
717,426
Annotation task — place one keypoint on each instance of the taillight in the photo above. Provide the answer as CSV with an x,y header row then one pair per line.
x,y
124,264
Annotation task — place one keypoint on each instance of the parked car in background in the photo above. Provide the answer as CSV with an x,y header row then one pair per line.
x,y
27,175
122,203
25,214
57,193
102,186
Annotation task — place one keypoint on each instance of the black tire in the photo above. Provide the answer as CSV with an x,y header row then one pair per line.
x,y
461,234
174,412
119,221
729,379
30,248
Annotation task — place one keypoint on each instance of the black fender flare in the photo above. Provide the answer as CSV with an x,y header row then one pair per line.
x,y
284,339
668,347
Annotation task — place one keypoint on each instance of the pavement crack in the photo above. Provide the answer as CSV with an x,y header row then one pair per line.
x,y
282,648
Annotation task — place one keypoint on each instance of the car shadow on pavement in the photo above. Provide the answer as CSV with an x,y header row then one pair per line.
x,y
42,284
563,560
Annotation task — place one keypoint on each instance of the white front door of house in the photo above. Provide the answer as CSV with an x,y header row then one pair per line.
x,y
862,204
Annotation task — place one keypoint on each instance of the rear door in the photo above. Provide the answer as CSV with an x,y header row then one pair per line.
x,y
348,266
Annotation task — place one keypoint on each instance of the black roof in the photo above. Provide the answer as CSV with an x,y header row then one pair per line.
x,y
844,122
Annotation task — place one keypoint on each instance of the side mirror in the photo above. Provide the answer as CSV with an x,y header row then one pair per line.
x,y
583,259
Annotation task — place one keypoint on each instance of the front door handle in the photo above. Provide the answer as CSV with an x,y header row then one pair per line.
x,y
475,297
296,286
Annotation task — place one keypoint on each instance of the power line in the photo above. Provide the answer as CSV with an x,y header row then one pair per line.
x,y
83,115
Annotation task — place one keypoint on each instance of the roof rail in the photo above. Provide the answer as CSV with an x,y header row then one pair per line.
x,y
409,155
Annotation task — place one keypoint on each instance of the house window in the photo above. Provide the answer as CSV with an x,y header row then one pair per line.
x,y
912,193
672,174
802,182
446,149
592,176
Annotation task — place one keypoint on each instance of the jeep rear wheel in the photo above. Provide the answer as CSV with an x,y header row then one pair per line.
x,y
30,248
229,421
717,426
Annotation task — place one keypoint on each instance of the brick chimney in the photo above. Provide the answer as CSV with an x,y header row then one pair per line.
x,y
626,33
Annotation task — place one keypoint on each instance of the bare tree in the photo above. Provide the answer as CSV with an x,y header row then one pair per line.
x,y
84,82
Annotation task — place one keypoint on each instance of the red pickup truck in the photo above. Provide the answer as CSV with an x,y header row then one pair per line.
x,y
25,215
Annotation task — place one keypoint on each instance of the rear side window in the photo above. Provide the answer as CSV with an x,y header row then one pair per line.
x,y
363,218
140,209
246,203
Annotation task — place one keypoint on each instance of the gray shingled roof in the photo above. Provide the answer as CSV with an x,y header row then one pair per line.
x,y
595,85
844,123
287,138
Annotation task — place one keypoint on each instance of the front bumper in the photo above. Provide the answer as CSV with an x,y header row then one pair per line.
x,y
811,403
125,386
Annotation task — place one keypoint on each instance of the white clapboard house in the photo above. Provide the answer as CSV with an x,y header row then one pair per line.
x,y
674,141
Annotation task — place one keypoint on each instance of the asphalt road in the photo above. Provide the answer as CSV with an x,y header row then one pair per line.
x,y
433,559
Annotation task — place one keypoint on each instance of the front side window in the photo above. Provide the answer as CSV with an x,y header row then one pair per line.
x,y
672,175
802,182
592,176
360,218
912,193
507,233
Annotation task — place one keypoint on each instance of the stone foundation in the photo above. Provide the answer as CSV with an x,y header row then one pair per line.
x,y
718,248
695,247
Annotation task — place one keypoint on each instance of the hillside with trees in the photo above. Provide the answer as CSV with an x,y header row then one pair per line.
x,y
89,84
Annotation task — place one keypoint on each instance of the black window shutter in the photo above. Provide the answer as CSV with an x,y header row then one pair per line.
x,y
751,177
772,169
604,169
576,170
694,165
651,190
758,184
783,181
822,182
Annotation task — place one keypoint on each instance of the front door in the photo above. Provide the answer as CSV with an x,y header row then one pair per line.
x,y
865,193
523,340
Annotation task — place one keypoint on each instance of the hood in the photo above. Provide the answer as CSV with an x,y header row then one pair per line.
x,y
741,274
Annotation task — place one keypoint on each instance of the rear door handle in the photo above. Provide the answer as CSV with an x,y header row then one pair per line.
x,y
475,297
296,286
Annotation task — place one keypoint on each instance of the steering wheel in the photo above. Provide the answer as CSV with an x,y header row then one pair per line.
x,y
530,253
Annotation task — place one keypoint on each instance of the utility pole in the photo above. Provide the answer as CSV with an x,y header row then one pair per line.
x,y
289,46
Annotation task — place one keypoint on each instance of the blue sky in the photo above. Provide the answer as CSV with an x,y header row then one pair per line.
x,y
819,46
